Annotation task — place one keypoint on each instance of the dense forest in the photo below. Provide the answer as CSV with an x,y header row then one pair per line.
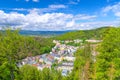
x,y
104,64
93,62
24,45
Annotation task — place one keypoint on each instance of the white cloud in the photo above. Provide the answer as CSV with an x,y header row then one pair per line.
x,y
49,21
35,0
19,9
115,9
31,0
107,9
11,18
84,17
73,1
97,24
70,24
50,8
117,14
57,6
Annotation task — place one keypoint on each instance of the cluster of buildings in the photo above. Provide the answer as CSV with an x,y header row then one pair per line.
x,y
77,41
68,41
61,58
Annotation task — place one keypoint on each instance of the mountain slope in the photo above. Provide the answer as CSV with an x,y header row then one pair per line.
x,y
84,34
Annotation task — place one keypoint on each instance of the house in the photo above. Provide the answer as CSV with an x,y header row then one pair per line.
x,y
41,60
35,65
49,59
56,56
94,41
68,63
77,41
66,66
19,64
69,58
24,62
40,67
48,66
64,72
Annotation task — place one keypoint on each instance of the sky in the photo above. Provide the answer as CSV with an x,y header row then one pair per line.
x,y
59,15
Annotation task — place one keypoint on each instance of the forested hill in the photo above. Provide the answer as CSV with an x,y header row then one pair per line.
x,y
84,34
23,45
40,33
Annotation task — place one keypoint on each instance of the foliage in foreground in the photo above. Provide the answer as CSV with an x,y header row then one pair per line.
x,y
14,47
28,72
108,61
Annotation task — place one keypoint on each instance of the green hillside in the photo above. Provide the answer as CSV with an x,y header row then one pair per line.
x,y
84,34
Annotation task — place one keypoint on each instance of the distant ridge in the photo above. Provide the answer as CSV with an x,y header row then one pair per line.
x,y
56,33
43,33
